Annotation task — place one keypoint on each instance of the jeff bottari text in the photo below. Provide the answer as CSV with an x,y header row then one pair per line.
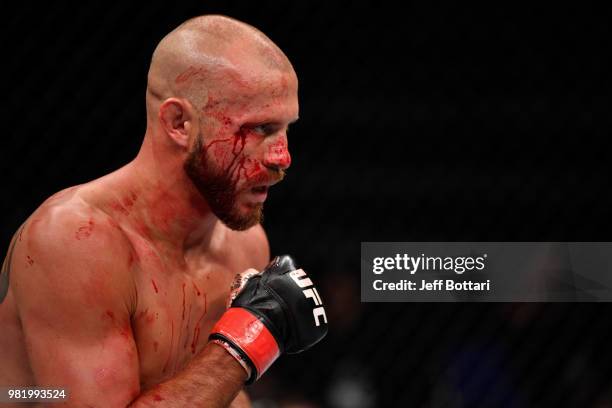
x,y
435,285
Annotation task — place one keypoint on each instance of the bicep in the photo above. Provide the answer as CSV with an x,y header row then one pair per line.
x,y
93,365
76,322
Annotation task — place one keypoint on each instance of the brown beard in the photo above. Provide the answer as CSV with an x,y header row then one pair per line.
x,y
219,190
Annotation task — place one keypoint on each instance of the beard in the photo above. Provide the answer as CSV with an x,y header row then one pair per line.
x,y
220,190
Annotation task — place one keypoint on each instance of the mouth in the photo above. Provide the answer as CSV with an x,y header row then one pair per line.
x,y
259,193
259,189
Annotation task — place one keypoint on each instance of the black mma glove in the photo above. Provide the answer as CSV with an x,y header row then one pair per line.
x,y
277,311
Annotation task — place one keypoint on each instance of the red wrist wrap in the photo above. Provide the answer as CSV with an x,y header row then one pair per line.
x,y
246,331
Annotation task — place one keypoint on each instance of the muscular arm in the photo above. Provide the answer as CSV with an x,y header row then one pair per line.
x,y
241,401
212,379
75,298
74,304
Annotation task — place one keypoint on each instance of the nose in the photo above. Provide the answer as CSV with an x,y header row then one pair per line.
x,y
277,156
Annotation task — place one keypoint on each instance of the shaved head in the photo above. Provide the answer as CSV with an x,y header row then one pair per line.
x,y
203,53
220,99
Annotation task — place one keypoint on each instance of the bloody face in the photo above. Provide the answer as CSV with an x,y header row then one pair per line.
x,y
242,148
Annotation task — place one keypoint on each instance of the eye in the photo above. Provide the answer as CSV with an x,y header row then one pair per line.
x,y
265,129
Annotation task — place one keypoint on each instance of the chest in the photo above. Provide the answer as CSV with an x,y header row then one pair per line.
x,y
176,309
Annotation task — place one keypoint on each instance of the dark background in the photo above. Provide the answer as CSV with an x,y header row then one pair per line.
x,y
434,122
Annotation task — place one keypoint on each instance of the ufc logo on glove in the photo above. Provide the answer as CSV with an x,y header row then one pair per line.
x,y
271,313
303,281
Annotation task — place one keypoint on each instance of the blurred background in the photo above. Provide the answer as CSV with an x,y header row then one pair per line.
x,y
421,122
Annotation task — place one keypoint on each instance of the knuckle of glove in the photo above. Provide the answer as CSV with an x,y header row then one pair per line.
x,y
288,303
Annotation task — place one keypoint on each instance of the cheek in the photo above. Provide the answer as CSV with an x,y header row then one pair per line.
x,y
226,151
254,168
231,154
226,146
250,171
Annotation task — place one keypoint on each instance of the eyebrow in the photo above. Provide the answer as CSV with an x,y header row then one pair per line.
x,y
267,122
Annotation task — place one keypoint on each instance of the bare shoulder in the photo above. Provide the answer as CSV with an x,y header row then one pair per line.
x,y
74,298
68,238
253,244
71,222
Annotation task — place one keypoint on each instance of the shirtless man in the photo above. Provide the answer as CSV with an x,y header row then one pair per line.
x,y
110,289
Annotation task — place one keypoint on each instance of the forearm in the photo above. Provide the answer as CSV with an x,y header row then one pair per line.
x,y
241,401
212,379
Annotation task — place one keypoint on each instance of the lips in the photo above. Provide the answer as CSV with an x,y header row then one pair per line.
x,y
259,193
262,186
260,189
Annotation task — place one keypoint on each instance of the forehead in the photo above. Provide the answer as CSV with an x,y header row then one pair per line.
x,y
257,93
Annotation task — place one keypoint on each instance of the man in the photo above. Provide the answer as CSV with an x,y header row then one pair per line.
x,y
111,288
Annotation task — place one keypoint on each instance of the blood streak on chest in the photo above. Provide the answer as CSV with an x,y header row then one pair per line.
x,y
185,322
183,315
197,329
171,347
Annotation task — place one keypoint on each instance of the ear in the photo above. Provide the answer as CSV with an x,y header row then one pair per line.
x,y
177,119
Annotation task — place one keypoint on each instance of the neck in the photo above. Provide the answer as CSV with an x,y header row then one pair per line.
x,y
160,201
